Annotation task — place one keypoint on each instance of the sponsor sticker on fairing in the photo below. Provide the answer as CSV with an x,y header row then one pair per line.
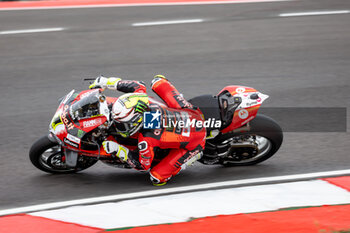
x,y
71,143
73,138
243,113
251,103
65,119
240,89
92,123
246,121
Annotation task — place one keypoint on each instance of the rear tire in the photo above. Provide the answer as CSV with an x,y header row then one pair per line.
x,y
264,127
44,145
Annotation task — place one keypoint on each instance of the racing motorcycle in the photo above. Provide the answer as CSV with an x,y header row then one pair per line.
x,y
82,122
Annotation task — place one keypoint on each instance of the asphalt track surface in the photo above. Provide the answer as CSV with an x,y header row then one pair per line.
x,y
298,61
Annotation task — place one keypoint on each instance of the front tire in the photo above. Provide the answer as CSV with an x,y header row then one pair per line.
x,y
46,156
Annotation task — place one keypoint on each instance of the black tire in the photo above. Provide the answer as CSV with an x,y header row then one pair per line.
x,y
265,127
44,144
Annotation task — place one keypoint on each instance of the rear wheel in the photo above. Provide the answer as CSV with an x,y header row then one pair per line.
x,y
255,146
48,157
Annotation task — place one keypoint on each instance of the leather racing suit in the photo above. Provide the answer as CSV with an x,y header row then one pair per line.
x,y
185,142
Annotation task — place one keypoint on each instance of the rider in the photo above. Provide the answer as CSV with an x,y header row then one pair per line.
x,y
186,144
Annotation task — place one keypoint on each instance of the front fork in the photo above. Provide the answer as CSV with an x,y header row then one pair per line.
x,y
68,157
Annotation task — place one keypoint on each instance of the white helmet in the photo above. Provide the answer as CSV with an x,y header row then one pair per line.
x,y
128,112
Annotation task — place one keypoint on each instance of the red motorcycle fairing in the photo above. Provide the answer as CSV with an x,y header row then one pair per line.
x,y
247,110
69,130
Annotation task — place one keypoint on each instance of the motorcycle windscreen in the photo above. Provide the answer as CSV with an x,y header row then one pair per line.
x,y
85,108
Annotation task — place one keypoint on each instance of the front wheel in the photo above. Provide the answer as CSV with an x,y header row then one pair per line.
x,y
255,146
48,157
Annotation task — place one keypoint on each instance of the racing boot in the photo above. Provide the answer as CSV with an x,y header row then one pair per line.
x,y
157,181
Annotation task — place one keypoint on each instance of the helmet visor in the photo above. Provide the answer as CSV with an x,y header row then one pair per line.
x,y
131,127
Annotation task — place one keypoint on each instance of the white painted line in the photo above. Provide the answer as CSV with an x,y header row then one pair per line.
x,y
181,207
140,4
167,22
314,13
31,31
161,191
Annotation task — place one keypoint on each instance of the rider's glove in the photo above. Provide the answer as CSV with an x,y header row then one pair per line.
x,y
102,82
114,148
